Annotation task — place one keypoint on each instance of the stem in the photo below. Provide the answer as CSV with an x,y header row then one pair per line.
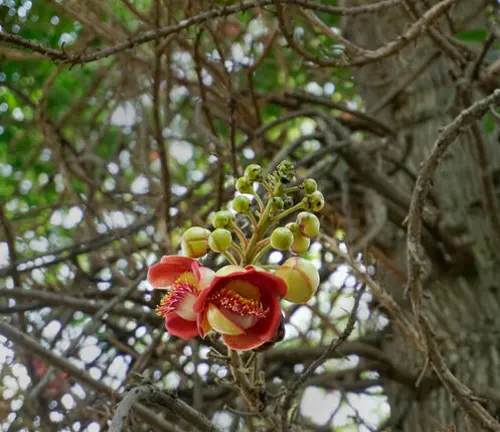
x,y
259,254
239,251
267,186
241,236
298,206
292,189
230,258
259,201
263,225
239,376
253,220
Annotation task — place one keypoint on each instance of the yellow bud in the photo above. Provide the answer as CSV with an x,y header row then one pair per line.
x,y
224,271
309,224
301,278
194,242
300,244
220,240
316,201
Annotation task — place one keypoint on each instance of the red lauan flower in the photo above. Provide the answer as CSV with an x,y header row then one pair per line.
x,y
242,304
58,385
184,278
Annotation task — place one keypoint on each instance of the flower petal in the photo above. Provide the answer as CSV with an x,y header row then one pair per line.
x,y
206,276
267,326
270,287
166,272
265,279
180,327
263,331
242,342
221,323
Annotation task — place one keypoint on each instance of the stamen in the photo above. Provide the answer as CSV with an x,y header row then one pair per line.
x,y
178,291
234,302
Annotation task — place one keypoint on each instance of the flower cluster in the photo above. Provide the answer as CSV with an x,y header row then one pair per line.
x,y
241,301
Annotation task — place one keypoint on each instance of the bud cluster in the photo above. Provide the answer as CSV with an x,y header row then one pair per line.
x,y
284,197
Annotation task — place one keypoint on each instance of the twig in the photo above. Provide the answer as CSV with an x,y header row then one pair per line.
x,y
320,360
149,36
422,185
153,394
465,397
91,327
369,56
31,345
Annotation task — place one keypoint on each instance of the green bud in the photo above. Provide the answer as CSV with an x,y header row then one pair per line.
x,y
300,244
277,203
301,278
308,223
286,171
223,219
241,204
254,172
194,242
220,240
316,201
287,201
244,185
310,186
281,239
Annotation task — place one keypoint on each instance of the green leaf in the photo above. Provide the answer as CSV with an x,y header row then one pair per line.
x,y
474,35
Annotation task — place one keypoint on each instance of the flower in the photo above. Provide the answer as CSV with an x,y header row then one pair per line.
x,y
242,304
301,278
184,278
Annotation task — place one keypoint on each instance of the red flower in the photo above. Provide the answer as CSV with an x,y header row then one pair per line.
x,y
242,304
58,385
183,278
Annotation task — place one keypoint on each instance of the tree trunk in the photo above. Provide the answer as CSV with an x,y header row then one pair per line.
x,y
465,304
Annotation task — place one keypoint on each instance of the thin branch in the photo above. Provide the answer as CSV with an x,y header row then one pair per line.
x,y
149,36
31,345
152,394
87,306
465,397
447,136
294,387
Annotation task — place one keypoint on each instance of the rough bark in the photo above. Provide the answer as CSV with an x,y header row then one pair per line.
x,y
465,301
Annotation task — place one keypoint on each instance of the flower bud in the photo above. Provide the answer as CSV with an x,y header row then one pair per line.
x,y
241,204
254,172
308,223
220,240
223,219
286,171
277,204
194,242
244,185
301,278
310,186
300,244
281,239
287,201
316,201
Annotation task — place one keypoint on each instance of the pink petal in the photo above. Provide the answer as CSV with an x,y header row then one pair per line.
x,y
180,327
265,279
166,272
242,342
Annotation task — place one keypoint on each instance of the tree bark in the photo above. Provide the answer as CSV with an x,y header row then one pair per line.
x,y
417,93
